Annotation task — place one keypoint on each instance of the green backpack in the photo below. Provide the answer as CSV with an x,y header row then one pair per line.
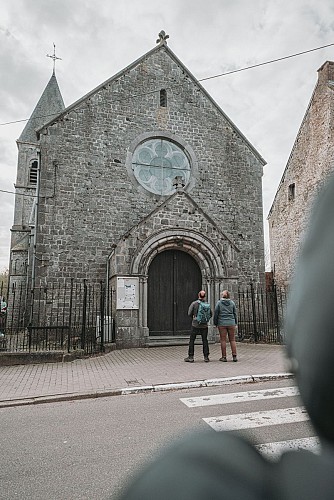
x,y
203,313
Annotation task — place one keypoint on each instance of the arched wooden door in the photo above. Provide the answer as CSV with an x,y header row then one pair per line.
x,y
174,280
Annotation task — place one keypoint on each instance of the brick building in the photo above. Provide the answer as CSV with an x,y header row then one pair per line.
x,y
310,162
143,183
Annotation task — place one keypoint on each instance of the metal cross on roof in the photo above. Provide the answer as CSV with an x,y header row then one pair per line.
x,y
54,57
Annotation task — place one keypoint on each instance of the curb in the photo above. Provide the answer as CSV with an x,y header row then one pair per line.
x,y
103,393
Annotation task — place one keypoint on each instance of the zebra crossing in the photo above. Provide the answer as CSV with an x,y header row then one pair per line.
x,y
258,419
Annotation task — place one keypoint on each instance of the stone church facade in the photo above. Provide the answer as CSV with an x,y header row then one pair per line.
x,y
145,184
310,162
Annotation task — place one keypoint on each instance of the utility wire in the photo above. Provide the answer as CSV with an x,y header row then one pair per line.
x,y
18,194
266,62
203,79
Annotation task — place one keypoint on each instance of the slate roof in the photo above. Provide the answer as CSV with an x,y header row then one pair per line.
x,y
48,107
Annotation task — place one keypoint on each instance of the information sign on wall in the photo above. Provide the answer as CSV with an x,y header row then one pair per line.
x,y
127,293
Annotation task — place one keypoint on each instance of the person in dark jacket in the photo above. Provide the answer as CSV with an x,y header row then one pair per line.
x,y
197,329
225,318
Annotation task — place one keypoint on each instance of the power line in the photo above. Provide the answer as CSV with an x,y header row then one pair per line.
x,y
27,119
266,62
18,194
201,79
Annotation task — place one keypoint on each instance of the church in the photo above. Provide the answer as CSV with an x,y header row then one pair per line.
x,y
144,184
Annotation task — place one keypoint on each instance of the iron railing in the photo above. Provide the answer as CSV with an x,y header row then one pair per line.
x,y
261,313
57,317
78,316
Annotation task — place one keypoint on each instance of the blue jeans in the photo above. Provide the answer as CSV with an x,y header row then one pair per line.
x,y
204,334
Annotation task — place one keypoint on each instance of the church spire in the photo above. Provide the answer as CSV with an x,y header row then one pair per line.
x,y
49,105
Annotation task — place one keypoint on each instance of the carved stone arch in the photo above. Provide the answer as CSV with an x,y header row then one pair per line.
x,y
205,252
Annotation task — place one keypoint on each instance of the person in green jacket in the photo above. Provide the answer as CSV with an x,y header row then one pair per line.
x,y
225,318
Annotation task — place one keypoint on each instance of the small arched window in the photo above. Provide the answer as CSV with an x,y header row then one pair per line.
x,y
163,98
33,172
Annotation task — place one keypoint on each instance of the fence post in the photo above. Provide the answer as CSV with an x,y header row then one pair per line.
x,y
254,312
70,319
102,315
84,314
277,318
32,299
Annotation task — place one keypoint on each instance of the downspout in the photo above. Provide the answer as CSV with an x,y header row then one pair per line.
x,y
36,203
107,283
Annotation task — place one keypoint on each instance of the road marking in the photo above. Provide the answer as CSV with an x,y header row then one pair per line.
x,y
240,397
274,450
257,419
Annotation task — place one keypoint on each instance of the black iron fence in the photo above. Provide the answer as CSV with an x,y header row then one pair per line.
x,y
79,316
56,318
261,314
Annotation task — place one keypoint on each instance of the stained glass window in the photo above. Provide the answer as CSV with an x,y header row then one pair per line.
x,y
156,163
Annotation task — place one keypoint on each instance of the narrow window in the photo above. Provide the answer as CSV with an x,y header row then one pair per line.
x,y
33,172
163,98
292,192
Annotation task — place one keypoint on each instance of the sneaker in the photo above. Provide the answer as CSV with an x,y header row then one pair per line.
x,y
235,358
206,359
189,359
223,359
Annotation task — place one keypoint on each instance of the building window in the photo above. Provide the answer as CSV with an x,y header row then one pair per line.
x,y
156,162
163,98
292,192
33,172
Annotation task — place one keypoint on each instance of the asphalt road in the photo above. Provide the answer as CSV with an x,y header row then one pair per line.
x,y
87,449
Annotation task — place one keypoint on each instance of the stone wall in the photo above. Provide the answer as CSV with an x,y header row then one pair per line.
x,y
88,200
310,162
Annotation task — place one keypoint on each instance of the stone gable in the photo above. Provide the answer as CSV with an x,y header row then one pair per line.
x,y
88,200
177,222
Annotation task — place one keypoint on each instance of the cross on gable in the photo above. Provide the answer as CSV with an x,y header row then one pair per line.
x,y
162,37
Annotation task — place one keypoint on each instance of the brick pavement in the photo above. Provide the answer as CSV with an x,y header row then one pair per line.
x,y
134,370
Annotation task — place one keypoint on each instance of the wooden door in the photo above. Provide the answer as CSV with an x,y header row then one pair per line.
x,y
174,280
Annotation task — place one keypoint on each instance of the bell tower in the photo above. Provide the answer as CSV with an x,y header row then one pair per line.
x,y
49,105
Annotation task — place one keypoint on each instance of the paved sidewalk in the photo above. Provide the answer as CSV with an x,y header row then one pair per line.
x,y
137,370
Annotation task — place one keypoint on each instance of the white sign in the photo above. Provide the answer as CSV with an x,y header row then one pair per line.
x,y
127,293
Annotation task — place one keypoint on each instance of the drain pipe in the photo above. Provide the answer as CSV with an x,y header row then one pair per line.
x,y
113,247
36,206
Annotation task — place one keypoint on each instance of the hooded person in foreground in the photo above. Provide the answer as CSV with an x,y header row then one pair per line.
x,y
212,465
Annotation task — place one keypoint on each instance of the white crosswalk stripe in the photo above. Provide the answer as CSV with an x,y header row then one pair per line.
x,y
274,450
239,397
257,419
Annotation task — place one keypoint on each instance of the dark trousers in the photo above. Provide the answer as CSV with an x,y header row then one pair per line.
x,y
204,334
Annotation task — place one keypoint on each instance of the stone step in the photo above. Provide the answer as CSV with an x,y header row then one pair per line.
x,y
172,340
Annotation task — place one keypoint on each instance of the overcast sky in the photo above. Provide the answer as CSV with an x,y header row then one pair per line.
x,y
98,38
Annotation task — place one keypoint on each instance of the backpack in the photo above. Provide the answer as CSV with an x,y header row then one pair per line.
x,y
203,313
